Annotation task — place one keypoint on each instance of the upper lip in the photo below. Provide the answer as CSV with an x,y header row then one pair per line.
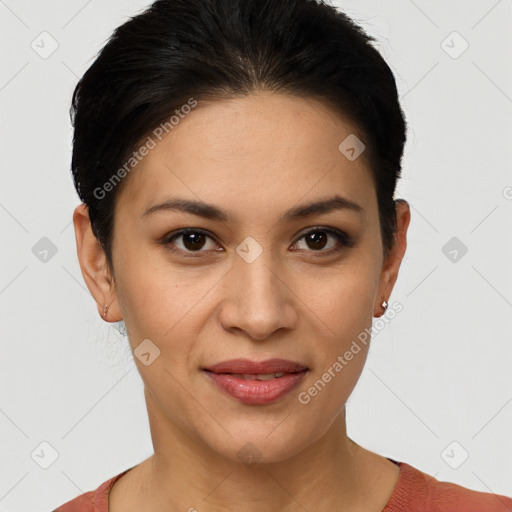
x,y
246,366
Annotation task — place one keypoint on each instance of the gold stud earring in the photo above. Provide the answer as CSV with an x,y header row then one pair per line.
x,y
105,310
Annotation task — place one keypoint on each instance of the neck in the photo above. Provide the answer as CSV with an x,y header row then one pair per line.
x,y
192,476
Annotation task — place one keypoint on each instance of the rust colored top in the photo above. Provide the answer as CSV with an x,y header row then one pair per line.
x,y
415,491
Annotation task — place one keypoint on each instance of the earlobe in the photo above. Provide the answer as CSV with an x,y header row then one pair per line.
x,y
94,266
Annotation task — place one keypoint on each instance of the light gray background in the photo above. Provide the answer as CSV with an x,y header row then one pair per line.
x,y
438,373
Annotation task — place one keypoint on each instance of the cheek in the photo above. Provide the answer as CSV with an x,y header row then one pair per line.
x,y
339,363
169,307
342,307
155,297
340,303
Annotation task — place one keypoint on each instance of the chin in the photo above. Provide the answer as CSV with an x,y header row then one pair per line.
x,y
267,443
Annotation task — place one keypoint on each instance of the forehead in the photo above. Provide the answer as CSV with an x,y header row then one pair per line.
x,y
262,148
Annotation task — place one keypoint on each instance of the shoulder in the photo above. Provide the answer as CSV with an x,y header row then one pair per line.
x,y
421,492
82,503
92,501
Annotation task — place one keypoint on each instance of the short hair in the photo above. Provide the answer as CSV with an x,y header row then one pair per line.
x,y
176,50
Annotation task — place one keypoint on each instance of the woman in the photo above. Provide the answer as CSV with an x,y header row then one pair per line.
x,y
237,163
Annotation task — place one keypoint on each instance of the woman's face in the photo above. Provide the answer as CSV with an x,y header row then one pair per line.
x,y
250,285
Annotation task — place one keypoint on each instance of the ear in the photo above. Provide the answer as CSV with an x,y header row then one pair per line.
x,y
93,263
392,264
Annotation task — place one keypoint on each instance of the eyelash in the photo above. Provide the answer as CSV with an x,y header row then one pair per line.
x,y
344,240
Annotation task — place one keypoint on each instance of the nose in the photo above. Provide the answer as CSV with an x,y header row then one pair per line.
x,y
257,298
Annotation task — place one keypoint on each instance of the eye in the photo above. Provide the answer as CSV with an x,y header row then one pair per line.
x,y
317,240
193,240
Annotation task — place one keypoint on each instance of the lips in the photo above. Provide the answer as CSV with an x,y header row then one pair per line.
x,y
256,383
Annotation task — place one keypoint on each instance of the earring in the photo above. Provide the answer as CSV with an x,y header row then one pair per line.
x,y
105,310
385,306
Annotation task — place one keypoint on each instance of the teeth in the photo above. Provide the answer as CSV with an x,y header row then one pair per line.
x,y
266,376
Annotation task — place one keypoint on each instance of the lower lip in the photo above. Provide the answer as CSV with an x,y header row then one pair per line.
x,y
256,392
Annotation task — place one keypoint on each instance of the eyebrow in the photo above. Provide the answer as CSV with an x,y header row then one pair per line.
x,y
209,211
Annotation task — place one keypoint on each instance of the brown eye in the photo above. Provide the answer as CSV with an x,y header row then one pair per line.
x,y
317,240
192,240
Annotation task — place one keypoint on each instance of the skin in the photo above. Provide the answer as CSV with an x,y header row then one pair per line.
x,y
255,157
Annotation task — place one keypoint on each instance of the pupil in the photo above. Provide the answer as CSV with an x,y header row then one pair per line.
x,y
197,241
317,239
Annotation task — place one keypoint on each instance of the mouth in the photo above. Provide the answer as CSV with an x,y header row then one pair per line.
x,y
256,383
